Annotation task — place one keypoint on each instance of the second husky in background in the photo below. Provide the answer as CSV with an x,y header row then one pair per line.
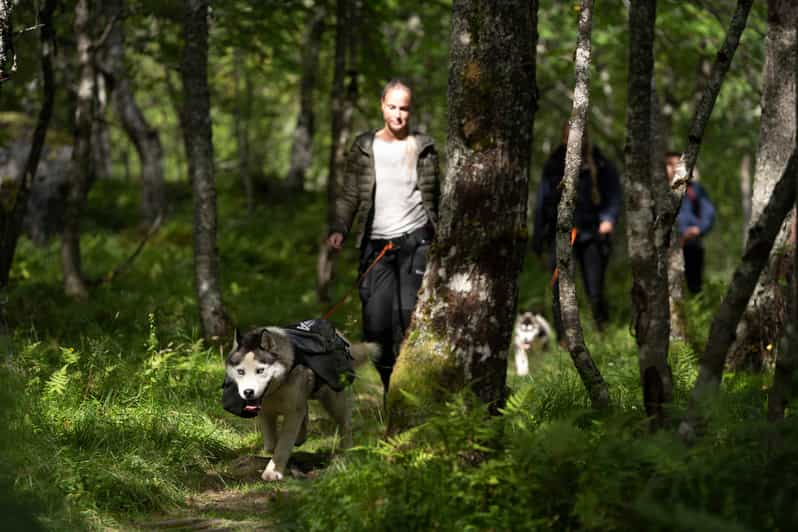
x,y
531,333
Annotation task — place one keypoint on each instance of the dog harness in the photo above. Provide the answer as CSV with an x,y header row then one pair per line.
x,y
318,346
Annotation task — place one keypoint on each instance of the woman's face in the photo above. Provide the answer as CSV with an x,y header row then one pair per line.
x,y
396,111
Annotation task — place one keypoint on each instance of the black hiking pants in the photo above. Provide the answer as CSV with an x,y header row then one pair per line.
x,y
693,251
389,292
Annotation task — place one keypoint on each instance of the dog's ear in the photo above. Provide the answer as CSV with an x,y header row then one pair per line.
x,y
236,339
266,341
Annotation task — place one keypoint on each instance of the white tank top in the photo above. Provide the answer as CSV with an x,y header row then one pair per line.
x,y
397,200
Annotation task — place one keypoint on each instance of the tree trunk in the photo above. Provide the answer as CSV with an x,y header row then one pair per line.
x,y
784,378
703,111
648,262
745,190
761,236
763,321
675,253
302,148
143,136
199,151
100,135
81,166
652,212
344,96
676,281
8,59
588,371
662,126
460,332
241,125
11,218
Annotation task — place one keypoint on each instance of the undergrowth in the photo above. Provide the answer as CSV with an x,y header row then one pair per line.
x,y
112,412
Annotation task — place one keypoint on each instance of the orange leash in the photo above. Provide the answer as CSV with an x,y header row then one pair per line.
x,y
382,253
556,274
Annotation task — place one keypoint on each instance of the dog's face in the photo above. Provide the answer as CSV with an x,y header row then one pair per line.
x,y
256,365
530,330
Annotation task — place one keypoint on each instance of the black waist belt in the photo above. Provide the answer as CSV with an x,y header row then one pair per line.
x,y
421,234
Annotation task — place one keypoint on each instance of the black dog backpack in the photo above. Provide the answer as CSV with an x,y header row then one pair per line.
x,y
318,346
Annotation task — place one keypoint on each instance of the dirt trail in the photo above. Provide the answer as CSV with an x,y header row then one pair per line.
x,y
239,499
236,499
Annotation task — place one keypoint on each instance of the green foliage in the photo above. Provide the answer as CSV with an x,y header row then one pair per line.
x,y
466,471
121,396
111,407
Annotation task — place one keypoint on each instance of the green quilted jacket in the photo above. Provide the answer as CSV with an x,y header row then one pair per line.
x,y
356,200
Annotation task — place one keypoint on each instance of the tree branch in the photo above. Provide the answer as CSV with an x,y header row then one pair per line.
x,y
585,366
761,235
703,111
124,265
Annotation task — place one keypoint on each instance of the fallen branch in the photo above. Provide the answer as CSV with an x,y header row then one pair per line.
x,y
122,267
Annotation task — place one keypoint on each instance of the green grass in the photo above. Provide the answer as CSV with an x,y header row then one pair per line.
x,y
112,413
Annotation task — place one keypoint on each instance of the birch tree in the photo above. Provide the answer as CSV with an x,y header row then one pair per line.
x,y
460,332
81,166
8,59
651,208
648,262
761,236
763,321
588,371
786,371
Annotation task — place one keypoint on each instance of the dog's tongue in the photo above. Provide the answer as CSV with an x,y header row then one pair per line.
x,y
251,408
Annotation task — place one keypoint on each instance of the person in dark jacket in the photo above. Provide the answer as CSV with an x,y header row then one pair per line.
x,y
695,218
598,200
391,188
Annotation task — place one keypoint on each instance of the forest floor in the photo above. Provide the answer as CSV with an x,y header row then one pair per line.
x,y
233,497
233,502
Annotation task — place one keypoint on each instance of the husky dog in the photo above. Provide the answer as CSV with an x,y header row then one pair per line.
x,y
531,332
273,382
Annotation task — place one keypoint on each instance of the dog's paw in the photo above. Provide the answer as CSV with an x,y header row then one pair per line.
x,y
271,476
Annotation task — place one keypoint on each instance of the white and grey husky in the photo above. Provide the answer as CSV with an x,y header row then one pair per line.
x,y
531,333
272,380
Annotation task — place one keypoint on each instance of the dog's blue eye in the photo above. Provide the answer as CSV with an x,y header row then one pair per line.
x,y
259,371
241,372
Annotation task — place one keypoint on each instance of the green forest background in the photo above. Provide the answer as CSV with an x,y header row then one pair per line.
x,y
111,406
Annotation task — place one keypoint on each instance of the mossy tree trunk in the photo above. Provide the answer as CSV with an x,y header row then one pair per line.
x,y
461,328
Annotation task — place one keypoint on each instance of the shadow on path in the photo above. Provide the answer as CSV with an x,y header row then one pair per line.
x,y
237,499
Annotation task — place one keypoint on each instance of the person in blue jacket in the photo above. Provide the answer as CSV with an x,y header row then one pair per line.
x,y
694,219
598,201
